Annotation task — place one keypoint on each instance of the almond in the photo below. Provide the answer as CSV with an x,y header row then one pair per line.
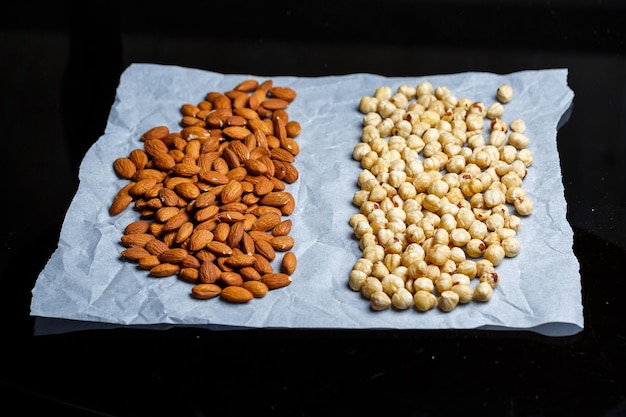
x,y
148,262
139,158
273,103
248,273
266,222
189,275
168,197
236,294
265,248
289,263
231,192
236,132
156,246
214,177
124,168
257,288
220,248
208,272
282,243
134,253
229,278
239,260
205,291
164,270
199,239
156,132
187,190
136,239
275,198
283,228
186,169
173,256
285,93
276,280
262,264
138,226
247,85
235,234
255,167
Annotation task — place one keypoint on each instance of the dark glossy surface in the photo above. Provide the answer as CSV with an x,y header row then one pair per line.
x,y
59,70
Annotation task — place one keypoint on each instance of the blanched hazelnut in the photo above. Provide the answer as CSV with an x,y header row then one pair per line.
x,y
380,301
448,300
424,300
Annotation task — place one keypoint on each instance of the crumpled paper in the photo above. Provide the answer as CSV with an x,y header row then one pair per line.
x,y
85,282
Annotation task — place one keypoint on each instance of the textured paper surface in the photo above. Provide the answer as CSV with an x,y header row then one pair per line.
x,y
85,280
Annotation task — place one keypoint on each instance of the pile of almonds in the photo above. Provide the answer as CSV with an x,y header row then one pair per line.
x,y
212,197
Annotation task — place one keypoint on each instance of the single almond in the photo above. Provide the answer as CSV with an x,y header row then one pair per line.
x,y
285,93
206,291
199,239
248,85
136,239
248,273
283,228
257,288
148,262
236,132
156,132
188,275
208,272
173,255
289,263
156,247
266,222
231,192
164,270
134,253
262,264
228,278
265,248
282,243
220,248
239,260
236,294
124,168
275,198
138,226
276,280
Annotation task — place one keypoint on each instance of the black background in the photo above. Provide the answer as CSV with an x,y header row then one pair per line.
x,y
60,64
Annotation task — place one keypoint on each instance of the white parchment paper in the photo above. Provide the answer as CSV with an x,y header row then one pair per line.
x,y
86,281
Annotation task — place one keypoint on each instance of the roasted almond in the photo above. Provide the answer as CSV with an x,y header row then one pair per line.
x,y
239,260
285,93
282,243
228,278
124,168
275,198
257,288
289,263
164,270
134,253
220,248
236,294
276,280
208,272
205,291
136,239
199,239
156,132
173,256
